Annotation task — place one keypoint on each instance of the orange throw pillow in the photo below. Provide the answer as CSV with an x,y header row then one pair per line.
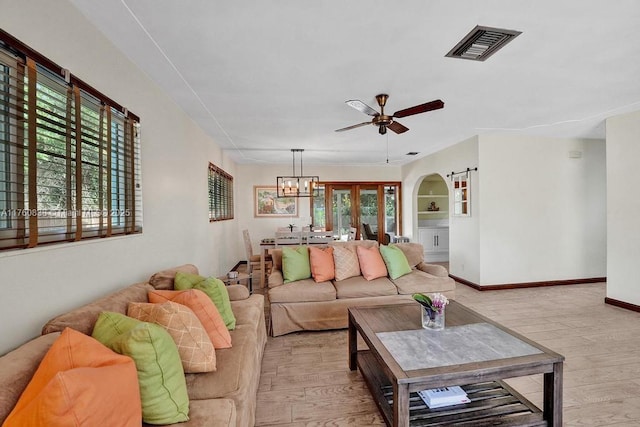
x,y
322,265
80,382
194,346
204,309
372,265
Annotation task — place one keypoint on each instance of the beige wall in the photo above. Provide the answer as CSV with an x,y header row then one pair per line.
x,y
543,212
43,282
536,213
623,207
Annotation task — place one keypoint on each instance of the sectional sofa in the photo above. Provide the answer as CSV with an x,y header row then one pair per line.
x,y
225,397
308,304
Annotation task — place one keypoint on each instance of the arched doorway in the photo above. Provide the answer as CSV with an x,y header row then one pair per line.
x,y
433,218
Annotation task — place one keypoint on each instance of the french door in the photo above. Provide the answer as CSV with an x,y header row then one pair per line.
x,y
371,208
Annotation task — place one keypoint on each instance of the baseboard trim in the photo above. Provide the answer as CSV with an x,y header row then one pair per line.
x,y
622,304
527,284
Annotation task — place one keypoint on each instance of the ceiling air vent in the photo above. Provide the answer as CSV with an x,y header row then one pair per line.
x,y
412,153
481,43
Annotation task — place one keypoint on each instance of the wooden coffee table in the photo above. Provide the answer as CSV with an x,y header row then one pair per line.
x,y
472,351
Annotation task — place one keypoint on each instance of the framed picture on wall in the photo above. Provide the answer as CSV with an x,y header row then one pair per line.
x,y
267,204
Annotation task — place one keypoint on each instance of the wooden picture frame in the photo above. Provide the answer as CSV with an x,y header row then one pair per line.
x,y
267,204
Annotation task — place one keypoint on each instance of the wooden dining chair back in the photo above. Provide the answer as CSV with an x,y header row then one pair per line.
x,y
253,260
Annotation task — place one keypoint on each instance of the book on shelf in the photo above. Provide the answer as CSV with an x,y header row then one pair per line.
x,y
444,396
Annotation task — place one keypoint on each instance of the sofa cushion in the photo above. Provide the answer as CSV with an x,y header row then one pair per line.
x,y
17,367
233,362
322,266
214,288
194,346
276,258
358,287
420,282
204,309
163,389
209,412
395,260
74,380
83,318
295,263
413,251
346,262
164,280
303,291
353,243
371,263
249,311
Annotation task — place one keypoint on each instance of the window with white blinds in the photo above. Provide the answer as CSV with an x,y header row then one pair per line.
x,y
220,194
69,156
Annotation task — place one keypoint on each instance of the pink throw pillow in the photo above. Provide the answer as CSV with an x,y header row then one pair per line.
x,y
322,265
372,265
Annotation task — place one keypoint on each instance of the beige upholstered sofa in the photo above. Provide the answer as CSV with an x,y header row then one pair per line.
x,y
225,397
307,305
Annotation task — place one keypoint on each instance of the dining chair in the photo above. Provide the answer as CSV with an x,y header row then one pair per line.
x,y
253,260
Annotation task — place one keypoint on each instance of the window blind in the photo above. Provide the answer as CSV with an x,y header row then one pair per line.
x,y
220,194
69,161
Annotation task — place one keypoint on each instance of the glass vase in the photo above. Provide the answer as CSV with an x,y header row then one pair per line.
x,y
432,319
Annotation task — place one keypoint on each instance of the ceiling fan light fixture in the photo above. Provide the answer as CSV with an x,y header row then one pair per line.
x,y
297,185
383,121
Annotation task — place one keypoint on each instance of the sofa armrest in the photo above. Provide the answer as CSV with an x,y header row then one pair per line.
x,y
436,270
276,278
237,292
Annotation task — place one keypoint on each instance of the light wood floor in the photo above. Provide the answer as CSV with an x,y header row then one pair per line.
x,y
306,381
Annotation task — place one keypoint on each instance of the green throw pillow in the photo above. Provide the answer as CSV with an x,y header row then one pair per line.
x,y
396,261
215,290
163,388
295,264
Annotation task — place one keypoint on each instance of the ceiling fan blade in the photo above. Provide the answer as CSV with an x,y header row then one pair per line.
x,y
353,126
361,106
422,108
397,127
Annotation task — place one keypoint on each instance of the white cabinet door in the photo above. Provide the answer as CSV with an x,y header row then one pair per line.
x,y
435,242
426,237
442,239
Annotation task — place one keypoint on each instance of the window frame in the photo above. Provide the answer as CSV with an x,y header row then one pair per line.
x,y
57,135
220,186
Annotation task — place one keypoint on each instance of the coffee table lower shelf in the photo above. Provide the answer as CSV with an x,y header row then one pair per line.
x,y
493,403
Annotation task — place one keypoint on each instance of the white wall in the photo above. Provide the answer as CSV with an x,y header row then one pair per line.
x,y
43,282
464,256
623,206
250,175
543,213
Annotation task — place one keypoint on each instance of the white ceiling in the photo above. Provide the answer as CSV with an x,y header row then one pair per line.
x,y
265,76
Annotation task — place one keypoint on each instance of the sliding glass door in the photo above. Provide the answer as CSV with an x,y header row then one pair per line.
x,y
360,210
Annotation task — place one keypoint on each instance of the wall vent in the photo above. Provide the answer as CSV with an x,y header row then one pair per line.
x,y
481,43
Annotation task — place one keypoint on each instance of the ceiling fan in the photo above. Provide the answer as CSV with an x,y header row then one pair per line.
x,y
383,121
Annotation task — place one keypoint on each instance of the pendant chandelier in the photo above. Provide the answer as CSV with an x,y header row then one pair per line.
x,y
297,185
